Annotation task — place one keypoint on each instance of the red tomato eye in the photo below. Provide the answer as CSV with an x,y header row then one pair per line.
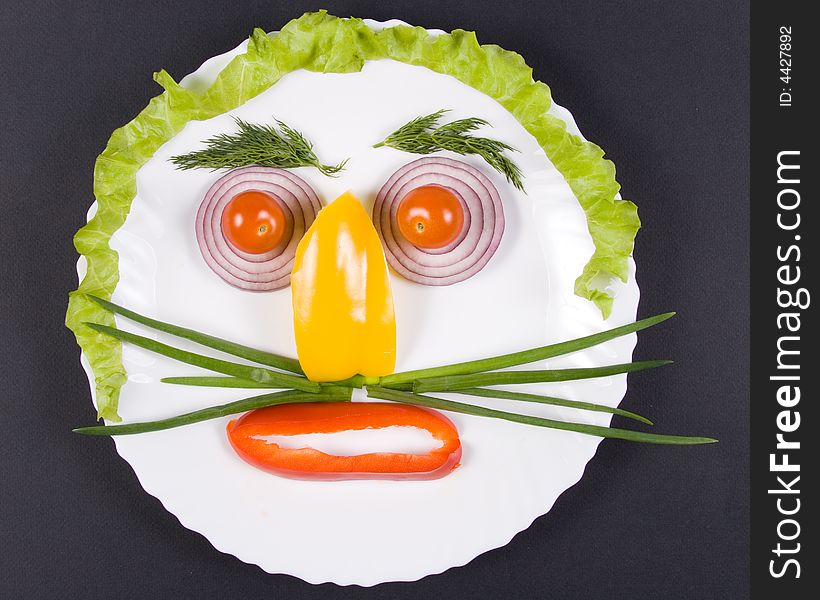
x,y
253,222
430,216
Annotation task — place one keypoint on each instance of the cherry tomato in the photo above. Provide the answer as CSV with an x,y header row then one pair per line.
x,y
253,222
430,216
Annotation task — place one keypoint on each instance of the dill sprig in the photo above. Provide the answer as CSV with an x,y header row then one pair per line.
x,y
423,135
263,145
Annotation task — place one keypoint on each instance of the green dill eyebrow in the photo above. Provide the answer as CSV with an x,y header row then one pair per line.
x,y
424,135
278,146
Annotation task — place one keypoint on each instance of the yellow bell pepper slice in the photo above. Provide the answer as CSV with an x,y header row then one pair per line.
x,y
342,301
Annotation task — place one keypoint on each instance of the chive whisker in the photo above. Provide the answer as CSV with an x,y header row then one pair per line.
x,y
236,382
217,365
258,356
215,412
471,378
525,397
218,382
596,430
458,382
525,356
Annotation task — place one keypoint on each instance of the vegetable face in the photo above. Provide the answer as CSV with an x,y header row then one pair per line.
x,y
342,301
246,432
334,45
430,217
254,222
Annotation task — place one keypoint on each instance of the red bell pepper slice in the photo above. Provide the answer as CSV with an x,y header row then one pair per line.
x,y
324,417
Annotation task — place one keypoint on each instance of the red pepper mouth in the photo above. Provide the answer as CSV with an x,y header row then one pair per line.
x,y
249,435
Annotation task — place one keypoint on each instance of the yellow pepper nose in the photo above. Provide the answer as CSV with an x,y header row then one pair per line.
x,y
342,301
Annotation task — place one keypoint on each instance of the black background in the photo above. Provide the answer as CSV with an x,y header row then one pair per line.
x,y
662,86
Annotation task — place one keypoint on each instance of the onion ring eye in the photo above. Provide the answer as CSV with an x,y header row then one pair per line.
x,y
261,271
480,233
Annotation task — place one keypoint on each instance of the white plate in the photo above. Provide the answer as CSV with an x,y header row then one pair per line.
x,y
365,532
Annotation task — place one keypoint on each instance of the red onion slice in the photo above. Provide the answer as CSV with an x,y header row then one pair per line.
x,y
256,272
474,247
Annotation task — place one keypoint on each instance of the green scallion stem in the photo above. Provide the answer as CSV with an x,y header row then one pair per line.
x,y
404,387
460,382
470,409
357,381
235,382
218,382
258,356
215,412
505,395
526,356
217,365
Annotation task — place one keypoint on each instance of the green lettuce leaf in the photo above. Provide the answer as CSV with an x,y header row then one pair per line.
x,y
321,42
